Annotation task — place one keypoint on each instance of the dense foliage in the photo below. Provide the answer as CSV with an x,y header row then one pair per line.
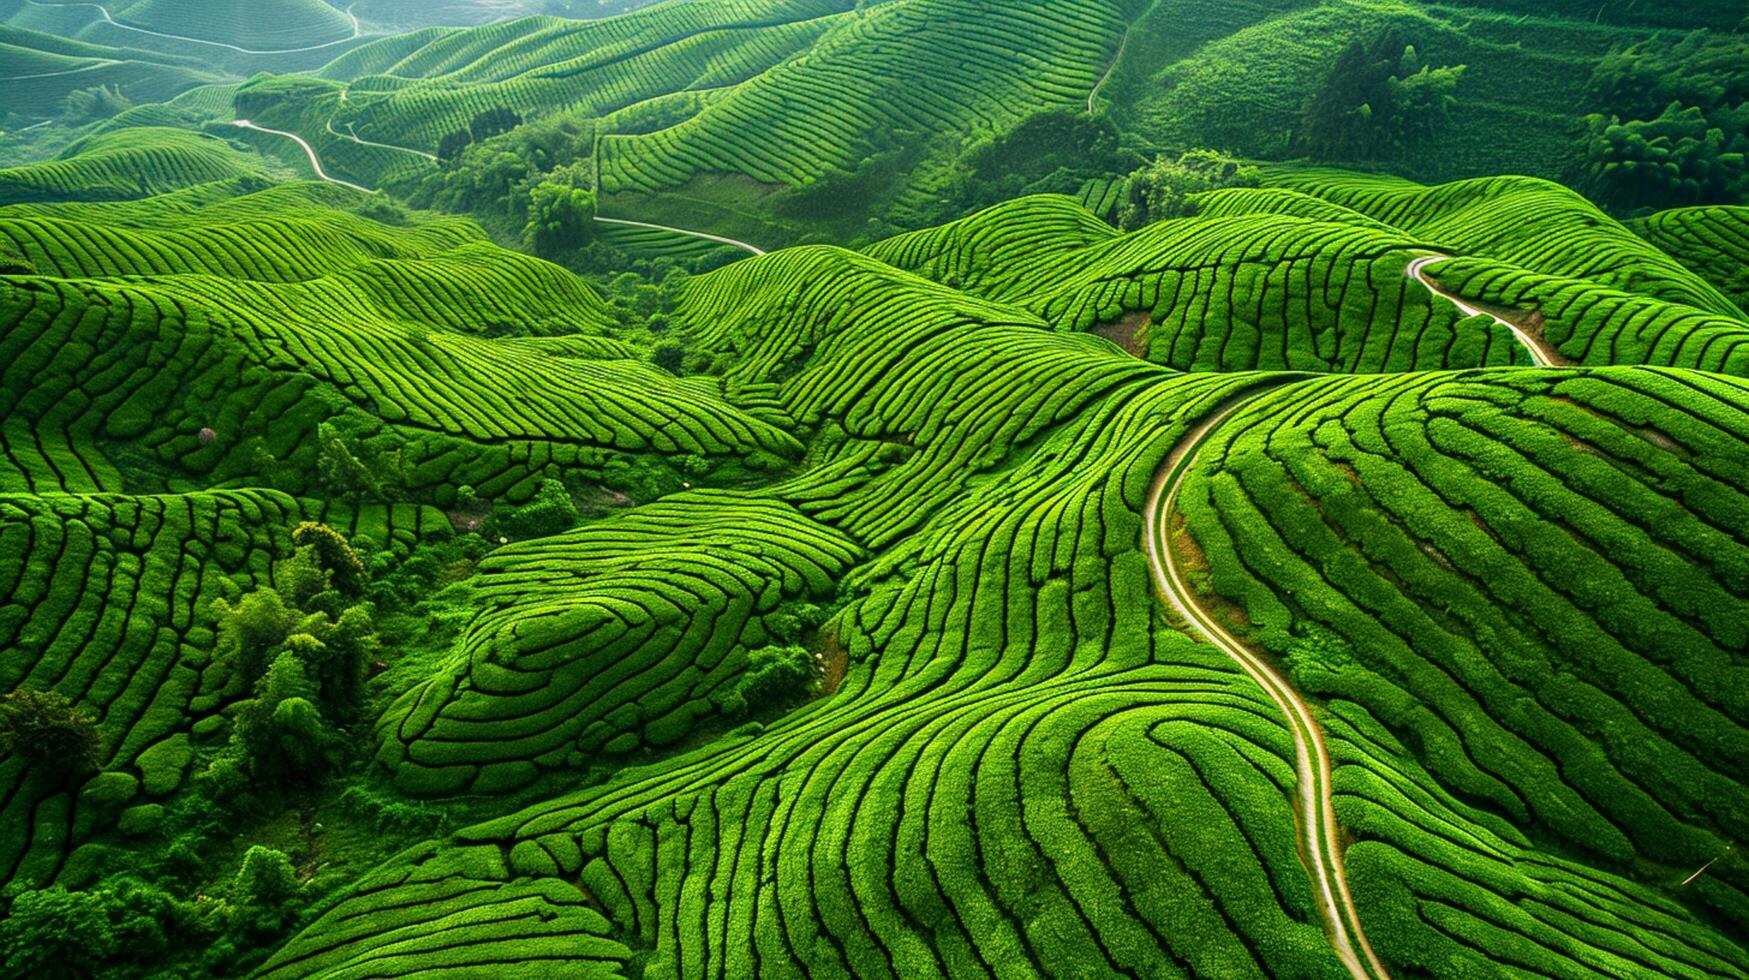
x,y
1109,534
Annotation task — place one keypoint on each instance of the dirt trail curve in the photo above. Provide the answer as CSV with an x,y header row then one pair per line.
x,y
1320,838
756,250
309,151
352,136
1540,351
316,164
110,20
1121,44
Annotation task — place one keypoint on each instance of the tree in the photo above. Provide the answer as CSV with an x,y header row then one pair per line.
x,y
451,145
561,217
334,555
1672,126
250,633
775,675
1378,100
1166,188
55,932
552,511
670,356
46,729
492,122
1674,160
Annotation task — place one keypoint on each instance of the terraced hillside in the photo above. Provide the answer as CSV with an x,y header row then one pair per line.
x,y
450,526
281,34
1712,242
1277,279
40,70
169,341
1083,789
1235,75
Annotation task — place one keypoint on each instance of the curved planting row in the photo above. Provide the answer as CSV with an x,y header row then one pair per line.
x,y
1596,325
239,348
1535,581
923,65
1712,241
1535,224
916,390
126,165
1025,770
624,635
105,599
539,66
1013,778
461,912
1255,291
265,26
276,248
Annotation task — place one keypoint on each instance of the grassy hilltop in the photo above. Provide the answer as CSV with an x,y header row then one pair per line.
x,y
922,488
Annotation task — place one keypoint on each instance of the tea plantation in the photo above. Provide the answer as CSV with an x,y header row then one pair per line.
x,y
928,488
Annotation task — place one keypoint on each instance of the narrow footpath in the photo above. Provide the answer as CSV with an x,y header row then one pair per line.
x,y
1319,836
1540,352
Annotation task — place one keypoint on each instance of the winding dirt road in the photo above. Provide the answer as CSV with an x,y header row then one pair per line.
x,y
1121,44
1319,835
361,141
756,250
309,151
316,165
110,20
1540,352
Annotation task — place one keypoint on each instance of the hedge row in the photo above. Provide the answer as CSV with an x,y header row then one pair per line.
x,y
212,334
107,601
1223,293
1536,580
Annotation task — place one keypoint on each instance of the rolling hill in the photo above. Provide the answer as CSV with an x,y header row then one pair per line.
x,y
814,488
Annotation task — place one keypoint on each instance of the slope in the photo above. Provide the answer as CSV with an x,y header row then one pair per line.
x,y
1025,767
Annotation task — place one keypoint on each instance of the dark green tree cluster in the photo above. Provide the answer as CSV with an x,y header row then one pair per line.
x,y
490,178
561,214
1675,160
46,729
300,649
129,927
552,511
1378,101
1671,127
484,126
1052,152
1166,188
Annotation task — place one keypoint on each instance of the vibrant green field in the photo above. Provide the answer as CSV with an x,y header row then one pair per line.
x,y
928,488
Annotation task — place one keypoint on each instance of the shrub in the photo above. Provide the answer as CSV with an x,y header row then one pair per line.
x,y
266,892
335,556
45,728
776,675
561,217
552,511
1164,189
251,631
670,356
1378,100
1677,159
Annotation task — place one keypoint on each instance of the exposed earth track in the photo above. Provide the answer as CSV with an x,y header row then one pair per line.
x,y
756,250
110,20
309,151
1540,352
1319,835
